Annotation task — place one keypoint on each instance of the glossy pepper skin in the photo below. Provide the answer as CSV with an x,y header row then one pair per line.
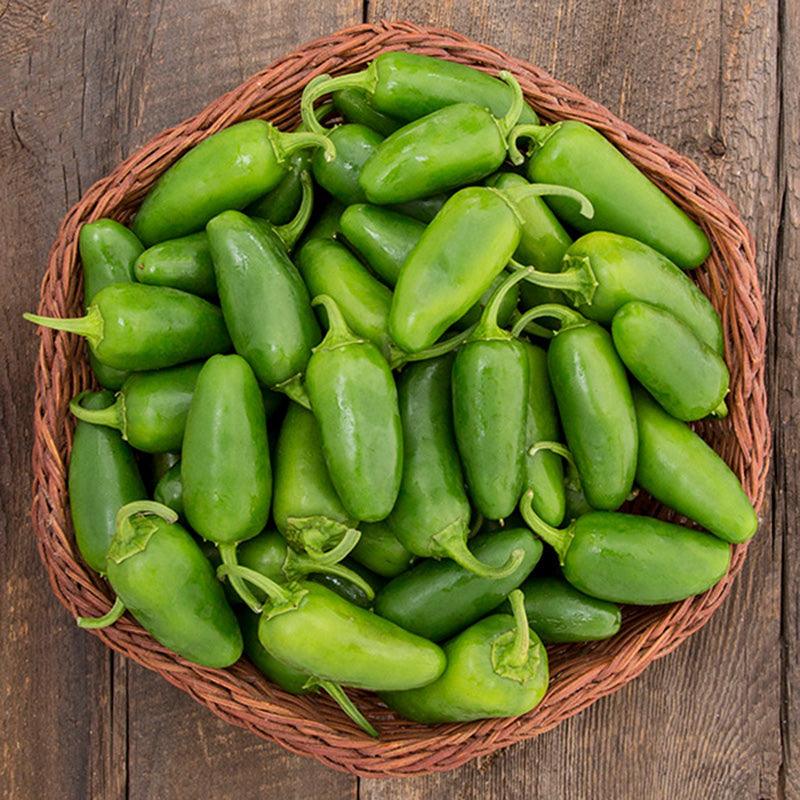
x,y
103,477
573,154
628,270
265,302
380,551
496,668
633,559
437,599
361,592
150,410
161,576
558,612
169,489
678,468
355,106
326,225
354,400
355,145
424,209
685,375
108,252
135,327
183,263
228,170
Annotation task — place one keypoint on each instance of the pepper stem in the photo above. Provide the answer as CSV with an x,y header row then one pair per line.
x,y
297,565
554,190
400,358
315,535
452,542
721,411
228,554
293,229
325,84
559,539
285,143
554,447
531,327
90,325
273,590
566,316
112,416
144,507
339,333
511,117
518,653
539,133
344,702
293,388
579,279
487,327
109,618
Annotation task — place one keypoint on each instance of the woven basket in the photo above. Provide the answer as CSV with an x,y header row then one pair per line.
x,y
581,674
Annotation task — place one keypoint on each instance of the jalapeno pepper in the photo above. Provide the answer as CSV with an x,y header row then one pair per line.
x,y
108,251
355,106
103,477
678,468
326,225
409,86
631,558
558,612
355,144
150,410
360,593
161,463
135,327
496,668
595,404
437,599
161,576
685,375
490,390
354,400
183,263
169,489
573,154
380,551
228,170
432,512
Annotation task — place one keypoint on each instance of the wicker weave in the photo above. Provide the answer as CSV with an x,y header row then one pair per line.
x,y
580,673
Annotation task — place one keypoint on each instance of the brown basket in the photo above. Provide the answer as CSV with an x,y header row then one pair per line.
x,y
580,674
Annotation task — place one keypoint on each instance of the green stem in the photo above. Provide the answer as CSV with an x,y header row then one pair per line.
x,y
293,229
340,550
566,316
518,653
511,117
339,334
112,416
344,702
400,358
228,554
144,507
539,133
721,411
285,143
109,618
487,327
90,325
553,190
553,447
452,542
579,279
273,590
559,539
325,84
323,539
531,327
293,388
297,565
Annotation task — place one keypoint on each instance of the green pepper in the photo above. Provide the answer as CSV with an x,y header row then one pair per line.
x,y
679,469
169,489
161,463
573,154
424,209
326,225
432,513
508,305
355,106
228,170
631,558
454,146
306,508
354,400
496,668
354,144
595,404
490,388
225,464
360,593
380,551
108,251
150,410
103,477
160,575
311,628
409,86
183,263
264,300
131,326
558,612
685,375
437,599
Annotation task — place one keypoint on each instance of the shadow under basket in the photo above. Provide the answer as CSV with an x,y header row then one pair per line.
x,y
581,674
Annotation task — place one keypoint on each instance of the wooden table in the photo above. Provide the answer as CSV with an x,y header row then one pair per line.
x,y
82,84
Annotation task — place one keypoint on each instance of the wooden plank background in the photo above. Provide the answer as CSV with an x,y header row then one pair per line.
x,y
82,84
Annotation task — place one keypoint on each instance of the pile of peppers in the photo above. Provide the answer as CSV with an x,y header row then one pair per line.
x,y
374,395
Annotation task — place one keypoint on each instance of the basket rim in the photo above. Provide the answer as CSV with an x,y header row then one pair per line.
x,y
239,695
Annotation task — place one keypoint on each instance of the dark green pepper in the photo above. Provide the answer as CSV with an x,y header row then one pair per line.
x,y
633,559
103,477
161,463
424,209
432,513
183,263
131,326
150,410
496,668
326,225
685,375
354,144
595,404
360,593
558,612
573,154
355,106
354,400
169,489
678,468
159,574
228,170
380,551
108,251
437,599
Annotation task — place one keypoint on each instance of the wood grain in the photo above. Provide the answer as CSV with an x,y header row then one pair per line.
x,y
83,84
